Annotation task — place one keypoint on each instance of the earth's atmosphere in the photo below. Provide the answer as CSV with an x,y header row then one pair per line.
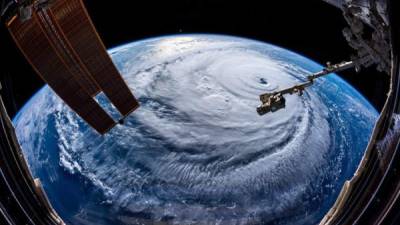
x,y
196,151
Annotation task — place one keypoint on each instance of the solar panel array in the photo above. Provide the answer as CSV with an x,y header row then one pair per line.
x,y
62,45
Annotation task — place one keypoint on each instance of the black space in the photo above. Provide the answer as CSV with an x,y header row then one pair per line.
x,y
312,28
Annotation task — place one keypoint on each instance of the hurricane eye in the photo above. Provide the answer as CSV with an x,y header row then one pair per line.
x,y
263,81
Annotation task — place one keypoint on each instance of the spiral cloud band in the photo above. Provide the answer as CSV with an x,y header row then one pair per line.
x,y
196,150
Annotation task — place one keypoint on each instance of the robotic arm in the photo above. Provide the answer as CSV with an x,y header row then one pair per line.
x,y
272,102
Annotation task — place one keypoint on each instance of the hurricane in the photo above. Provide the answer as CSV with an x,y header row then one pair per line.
x,y
196,151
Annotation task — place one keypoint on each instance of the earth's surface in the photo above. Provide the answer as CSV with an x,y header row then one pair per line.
x,y
197,151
